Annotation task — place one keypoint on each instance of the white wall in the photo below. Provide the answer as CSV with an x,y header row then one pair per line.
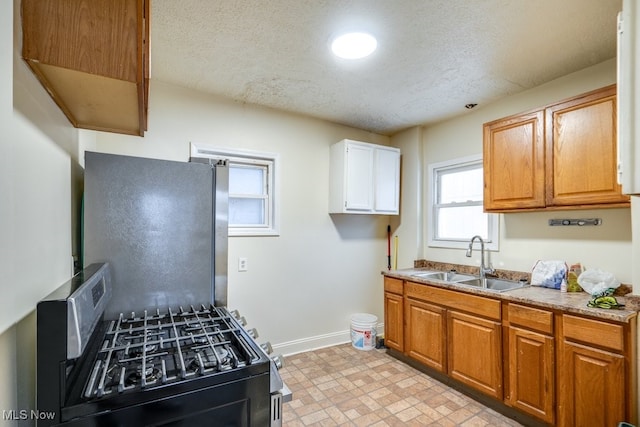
x,y
302,286
406,226
526,237
37,176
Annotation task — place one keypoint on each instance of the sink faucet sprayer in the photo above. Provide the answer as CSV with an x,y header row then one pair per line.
x,y
483,269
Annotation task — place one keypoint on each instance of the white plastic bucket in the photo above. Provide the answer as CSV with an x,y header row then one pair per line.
x,y
363,331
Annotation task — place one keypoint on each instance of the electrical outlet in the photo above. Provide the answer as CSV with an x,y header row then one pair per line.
x,y
242,264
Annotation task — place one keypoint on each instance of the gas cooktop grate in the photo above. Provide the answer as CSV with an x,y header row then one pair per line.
x,y
167,347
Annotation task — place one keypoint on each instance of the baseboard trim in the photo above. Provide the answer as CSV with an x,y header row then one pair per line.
x,y
319,341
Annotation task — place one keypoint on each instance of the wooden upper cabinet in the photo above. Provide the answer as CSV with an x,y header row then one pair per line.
x,y
562,156
92,57
581,150
514,162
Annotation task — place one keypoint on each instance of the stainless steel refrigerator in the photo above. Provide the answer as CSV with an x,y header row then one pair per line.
x,y
161,225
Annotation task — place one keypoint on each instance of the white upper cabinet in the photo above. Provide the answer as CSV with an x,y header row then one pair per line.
x,y
364,178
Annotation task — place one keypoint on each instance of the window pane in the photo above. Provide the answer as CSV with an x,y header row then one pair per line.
x,y
461,186
246,211
252,181
456,204
462,223
246,179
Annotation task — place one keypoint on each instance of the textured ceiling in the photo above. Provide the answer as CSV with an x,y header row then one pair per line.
x,y
433,57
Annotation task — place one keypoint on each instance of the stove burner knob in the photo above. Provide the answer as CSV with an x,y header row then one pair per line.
x,y
253,333
267,347
235,314
278,360
242,320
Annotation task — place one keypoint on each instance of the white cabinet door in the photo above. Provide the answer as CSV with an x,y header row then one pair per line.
x,y
359,177
387,180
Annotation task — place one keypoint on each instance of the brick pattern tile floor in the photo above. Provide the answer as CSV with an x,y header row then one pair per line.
x,y
342,386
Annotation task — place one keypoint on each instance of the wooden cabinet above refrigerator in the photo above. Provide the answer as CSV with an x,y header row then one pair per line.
x,y
92,57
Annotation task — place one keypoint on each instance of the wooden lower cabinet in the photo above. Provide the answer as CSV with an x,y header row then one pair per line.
x,y
592,387
531,373
596,382
475,352
394,313
455,333
561,369
393,321
530,360
425,333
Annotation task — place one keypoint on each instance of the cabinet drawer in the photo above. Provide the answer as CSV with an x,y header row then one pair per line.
x,y
461,301
530,318
594,332
393,285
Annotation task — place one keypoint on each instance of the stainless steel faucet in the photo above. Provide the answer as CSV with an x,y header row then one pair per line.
x,y
483,269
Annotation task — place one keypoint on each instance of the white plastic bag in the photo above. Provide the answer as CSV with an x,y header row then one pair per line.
x,y
549,274
597,281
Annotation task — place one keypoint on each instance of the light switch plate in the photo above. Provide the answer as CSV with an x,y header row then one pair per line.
x,y
242,264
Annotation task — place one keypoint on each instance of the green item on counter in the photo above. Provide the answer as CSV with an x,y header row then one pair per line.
x,y
604,301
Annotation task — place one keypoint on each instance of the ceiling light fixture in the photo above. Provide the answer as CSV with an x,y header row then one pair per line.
x,y
354,45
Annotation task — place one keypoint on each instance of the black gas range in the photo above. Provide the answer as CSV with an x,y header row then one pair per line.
x,y
177,366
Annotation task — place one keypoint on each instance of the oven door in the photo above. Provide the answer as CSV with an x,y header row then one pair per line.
x,y
244,402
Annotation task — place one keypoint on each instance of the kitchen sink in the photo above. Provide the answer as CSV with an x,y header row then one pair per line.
x,y
445,276
496,285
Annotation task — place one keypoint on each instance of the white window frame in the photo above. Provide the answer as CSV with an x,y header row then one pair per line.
x,y
248,157
492,243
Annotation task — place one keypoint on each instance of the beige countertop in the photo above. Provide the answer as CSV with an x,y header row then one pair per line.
x,y
569,302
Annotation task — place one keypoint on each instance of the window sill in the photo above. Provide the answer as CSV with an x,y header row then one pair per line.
x,y
253,233
462,244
